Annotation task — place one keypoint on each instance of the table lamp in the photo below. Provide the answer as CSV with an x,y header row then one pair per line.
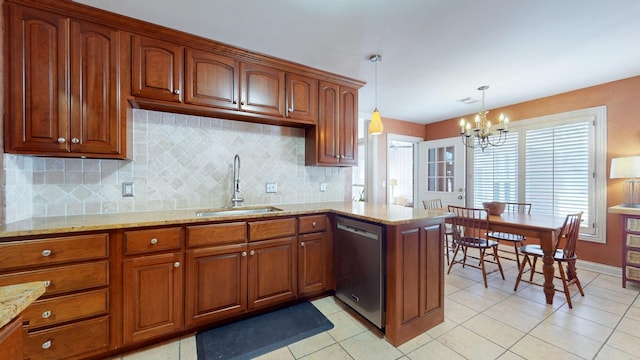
x,y
628,168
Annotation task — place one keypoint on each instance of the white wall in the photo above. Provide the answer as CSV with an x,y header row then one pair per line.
x,y
179,162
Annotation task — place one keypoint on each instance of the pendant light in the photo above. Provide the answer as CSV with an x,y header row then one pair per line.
x,y
375,126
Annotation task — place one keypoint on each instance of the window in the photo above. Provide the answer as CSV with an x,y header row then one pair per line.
x,y
557,163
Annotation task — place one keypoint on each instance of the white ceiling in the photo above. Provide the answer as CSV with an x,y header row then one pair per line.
x,y
434,52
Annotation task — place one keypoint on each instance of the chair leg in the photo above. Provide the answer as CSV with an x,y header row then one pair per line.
x,y
533,267
497,260
453,261
446,246
516,244
572,268
524,263
567,294
484,272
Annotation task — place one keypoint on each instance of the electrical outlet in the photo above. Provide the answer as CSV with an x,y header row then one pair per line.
x,y
272,187
127,189
323,186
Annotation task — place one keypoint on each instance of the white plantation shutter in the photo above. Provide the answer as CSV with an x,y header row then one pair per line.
x,y
557,169
496,173
557,163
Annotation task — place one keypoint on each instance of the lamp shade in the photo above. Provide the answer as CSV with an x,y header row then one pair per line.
x,y
375,126
625,167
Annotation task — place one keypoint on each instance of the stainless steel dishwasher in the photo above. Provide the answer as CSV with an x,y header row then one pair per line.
x,y
360,280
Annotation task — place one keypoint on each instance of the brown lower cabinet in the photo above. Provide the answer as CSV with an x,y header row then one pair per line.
x,y
153,294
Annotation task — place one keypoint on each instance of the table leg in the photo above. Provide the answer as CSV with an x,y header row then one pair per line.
x,y
546,243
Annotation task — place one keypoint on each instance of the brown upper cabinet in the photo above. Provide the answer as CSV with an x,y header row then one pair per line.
x,y
262,89
302,98
156,69
62,89
334,141
212,80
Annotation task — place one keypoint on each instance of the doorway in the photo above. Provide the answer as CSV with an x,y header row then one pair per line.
x,y
441,171
401,169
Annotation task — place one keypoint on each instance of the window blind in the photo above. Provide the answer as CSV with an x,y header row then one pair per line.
x,y
496,172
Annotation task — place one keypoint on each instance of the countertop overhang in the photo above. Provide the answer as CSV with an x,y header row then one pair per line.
x,y
383,214
15,298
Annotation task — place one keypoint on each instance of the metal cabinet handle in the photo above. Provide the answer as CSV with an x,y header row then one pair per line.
x,y
244,253
61,140
176,91
46,344
176,264
337,156
313,224
154,241
252,252
302,244
47,283
46,314
46,252
75,140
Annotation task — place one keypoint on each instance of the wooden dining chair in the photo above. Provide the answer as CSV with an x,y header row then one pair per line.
x,y
448,232
470,228
515,240
564,253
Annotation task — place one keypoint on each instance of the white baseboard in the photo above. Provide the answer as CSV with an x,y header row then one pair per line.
x,y
599,268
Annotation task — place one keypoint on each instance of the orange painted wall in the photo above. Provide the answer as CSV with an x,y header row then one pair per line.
x,y
622,99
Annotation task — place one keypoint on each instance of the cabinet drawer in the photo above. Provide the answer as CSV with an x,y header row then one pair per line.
x,y
633,273
143,241
53,251
633,225
64,278
216,234
633,257
309,224
633,241
261,230
68,340
66,308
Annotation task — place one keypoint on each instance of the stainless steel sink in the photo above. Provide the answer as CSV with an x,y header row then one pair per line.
x,y
237,211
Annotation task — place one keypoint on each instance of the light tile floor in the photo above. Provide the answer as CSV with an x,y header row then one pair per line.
x,y
493,323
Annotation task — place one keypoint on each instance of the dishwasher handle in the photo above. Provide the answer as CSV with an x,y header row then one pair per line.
x,y
357,231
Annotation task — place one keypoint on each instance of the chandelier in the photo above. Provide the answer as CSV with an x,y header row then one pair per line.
x,y
481,136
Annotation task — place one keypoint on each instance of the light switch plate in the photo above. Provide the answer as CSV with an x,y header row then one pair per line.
x,y
127,189
272,187
323,186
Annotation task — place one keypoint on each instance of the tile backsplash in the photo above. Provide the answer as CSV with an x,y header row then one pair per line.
x,y
179,162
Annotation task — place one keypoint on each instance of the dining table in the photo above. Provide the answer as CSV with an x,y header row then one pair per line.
x,y
544,228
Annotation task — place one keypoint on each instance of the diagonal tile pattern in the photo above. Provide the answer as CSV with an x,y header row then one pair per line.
x,y
493,323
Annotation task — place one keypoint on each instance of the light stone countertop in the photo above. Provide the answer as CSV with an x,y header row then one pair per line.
x,y
15,298
388,215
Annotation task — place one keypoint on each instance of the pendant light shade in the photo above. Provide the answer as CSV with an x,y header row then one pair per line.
x,y
375,126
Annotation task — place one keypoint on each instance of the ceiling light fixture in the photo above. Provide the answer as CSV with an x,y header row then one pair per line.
x,y
481,136
375,126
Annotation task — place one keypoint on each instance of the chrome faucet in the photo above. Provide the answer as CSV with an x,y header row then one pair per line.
x,y
235,199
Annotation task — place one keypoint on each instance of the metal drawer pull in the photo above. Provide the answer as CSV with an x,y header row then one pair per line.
x,y
46,314
313,224
46,344
61,140
302,244
75,141
46,252
154,241
244,253
47,283
176,264
252,252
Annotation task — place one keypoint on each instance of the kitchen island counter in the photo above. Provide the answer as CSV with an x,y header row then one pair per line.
x,y
382,214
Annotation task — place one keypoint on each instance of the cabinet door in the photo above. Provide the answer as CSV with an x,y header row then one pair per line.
x,y
216,283
302,98
262,89
95,119
38,111
312,263
272,272
348,126
211,80
156,69
328,124
153,304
